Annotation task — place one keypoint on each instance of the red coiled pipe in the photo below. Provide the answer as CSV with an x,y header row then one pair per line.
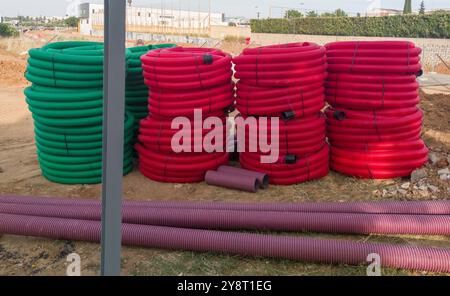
x,y
157,134
182,81
279,78
285,81
374,124
369,57
305,168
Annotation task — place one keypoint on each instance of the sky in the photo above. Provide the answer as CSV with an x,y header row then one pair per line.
x,y
245,8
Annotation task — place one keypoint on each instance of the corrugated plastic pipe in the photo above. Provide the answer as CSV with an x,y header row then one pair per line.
x,y
261,177
286,247
232,181
251,220
434,207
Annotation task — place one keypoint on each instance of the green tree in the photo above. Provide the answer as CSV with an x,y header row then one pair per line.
x,y
6,30
407,7
71,21
292,13
422,8
311,13
327,14
340,13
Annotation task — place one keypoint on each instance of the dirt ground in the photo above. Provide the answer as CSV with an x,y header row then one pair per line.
x,y
20,175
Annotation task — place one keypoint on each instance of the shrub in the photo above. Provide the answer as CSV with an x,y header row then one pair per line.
x,y
6,30
435,25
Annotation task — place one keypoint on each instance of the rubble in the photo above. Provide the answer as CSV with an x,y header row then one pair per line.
x,y
444,177
418,174
405,185
402,191
445,171
434,157
433,188
444,174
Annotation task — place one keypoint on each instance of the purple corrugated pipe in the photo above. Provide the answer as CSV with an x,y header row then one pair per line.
x,y
232,181
382,207
287,247
252,220
262,178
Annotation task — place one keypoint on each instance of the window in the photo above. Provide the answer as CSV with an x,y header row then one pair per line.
x,y
139,14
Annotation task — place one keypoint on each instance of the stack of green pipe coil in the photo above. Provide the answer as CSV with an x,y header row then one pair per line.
x,y
66,102
136,90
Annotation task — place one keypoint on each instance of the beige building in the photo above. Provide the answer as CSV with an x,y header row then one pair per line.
x,y
383,12
152,20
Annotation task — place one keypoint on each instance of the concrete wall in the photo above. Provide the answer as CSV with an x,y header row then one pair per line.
x,y
166,38
220,32
431,47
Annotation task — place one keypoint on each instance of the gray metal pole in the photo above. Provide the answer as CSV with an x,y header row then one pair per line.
x,y
113,133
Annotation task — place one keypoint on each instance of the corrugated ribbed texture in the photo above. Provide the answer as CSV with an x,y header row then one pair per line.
x,y
294,248
438,207
252,220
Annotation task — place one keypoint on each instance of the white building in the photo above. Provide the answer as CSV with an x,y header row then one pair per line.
x,y
152,20
383,12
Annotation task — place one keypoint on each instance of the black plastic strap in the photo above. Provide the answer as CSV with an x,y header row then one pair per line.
x,y
339,115
53,70
207,59
197,66
287,115
290,159
375,123
256,65
65,144
159,137
308,167
354,55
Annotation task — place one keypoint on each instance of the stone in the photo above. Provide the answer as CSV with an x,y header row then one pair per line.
x,y
433,188
445,171
418,174
444,177
434,157
423,188
424,193
405,185
442,163
1,170
402,191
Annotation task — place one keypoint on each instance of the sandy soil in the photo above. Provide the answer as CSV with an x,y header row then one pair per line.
x,y
20,175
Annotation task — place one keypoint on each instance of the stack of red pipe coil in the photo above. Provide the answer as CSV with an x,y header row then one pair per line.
x,y
182,80
286,81
374,123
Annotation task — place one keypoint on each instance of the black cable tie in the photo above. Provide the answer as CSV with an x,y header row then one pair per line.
x,y
290,159
339,115
207,59
287,115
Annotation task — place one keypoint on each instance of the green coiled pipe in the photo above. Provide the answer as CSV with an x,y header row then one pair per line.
x,y
66,101
136,90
